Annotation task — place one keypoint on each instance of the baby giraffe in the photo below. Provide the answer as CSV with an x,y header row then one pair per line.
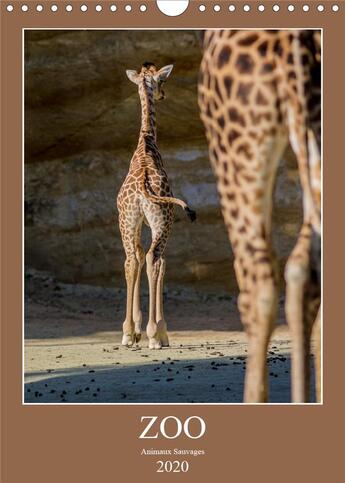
x,y
146,196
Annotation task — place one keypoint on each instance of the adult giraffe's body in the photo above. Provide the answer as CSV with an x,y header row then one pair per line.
x,y
145,195
258,90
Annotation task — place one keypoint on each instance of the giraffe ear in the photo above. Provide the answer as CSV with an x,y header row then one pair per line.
x,y
133,76
163,73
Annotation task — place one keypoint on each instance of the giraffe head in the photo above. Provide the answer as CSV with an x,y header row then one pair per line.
x,y
153,77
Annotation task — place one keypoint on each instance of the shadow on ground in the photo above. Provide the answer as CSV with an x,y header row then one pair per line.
x,y
55,311
58,310
73,352
214,380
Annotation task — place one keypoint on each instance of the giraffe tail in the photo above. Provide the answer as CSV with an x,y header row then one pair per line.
x,y
303,140
166,199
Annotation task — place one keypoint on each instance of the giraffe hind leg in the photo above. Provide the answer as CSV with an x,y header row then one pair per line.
x,y
155,266
256,389
257,273
160,218
258,307
301,306
137,313
161,323
131,271
317,335
256,267
128,234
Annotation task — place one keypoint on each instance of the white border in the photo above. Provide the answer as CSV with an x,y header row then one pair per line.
x,y
321,403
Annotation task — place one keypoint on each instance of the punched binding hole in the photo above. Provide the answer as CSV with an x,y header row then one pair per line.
x,y
172,8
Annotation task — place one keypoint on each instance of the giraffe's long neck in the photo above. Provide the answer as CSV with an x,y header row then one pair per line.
x,y
148,115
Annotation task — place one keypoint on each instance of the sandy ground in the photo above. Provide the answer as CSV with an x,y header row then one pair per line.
x,y
73,351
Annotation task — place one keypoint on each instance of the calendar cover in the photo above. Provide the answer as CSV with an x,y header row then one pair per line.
x,y
171,185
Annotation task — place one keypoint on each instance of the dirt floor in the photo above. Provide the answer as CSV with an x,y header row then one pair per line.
x,y
73,351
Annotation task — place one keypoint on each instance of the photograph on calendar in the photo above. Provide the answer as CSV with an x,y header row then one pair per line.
x,y
172,216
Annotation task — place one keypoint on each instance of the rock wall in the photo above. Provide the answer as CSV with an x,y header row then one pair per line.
x,y
82,119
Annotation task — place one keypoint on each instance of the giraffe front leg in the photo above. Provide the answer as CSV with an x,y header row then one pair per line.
x,y
131,271
153,268
161,323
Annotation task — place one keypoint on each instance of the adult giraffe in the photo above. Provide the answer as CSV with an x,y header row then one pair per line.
x,y
258,90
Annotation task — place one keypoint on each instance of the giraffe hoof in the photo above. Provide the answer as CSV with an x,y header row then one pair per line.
x,y
164,341
137,338
127,340
162,333
155,344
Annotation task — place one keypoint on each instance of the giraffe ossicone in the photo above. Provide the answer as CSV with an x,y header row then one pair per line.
x,y
146,196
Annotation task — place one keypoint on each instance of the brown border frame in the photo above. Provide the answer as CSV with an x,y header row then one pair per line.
x,y
46,443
